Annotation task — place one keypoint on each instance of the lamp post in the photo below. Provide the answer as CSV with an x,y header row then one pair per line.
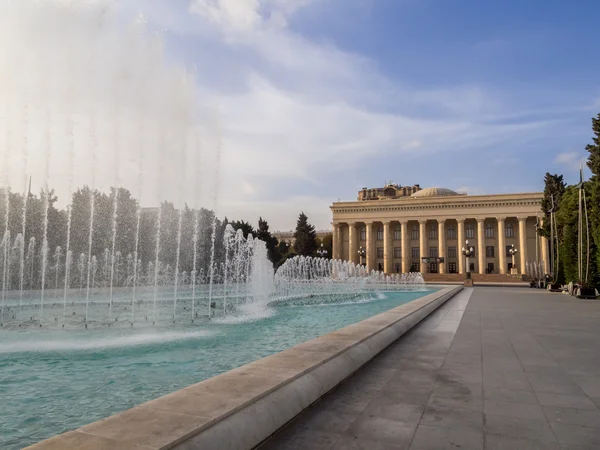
x,y
467,252
513,251
322,252
361,254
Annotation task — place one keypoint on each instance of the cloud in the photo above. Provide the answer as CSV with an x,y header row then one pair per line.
x,y
298,113
235,16
300,121
85,99
570,160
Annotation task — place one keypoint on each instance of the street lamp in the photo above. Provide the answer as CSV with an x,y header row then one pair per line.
x,y
322,252
513,251
361,254
467,252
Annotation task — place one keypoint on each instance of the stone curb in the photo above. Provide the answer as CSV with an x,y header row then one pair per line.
x,y
241,408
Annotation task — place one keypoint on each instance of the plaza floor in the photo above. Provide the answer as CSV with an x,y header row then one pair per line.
x,y
493,368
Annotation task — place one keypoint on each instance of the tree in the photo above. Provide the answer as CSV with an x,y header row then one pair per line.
x,y
554,188
305,237
270,241
567,218
594,190
244,226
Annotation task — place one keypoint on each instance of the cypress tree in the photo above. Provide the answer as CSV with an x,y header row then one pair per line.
x,y
567,217
594,194
554,188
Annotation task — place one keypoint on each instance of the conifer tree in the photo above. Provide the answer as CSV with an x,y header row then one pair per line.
x,y
554,188
594,191
305,237
271,242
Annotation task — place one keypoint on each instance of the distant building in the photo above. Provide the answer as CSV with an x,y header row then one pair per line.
x,y
288,236
389,191
409,228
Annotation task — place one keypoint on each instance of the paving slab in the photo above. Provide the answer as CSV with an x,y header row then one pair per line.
x,y
493,368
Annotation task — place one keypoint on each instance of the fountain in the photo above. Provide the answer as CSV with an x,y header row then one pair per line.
x,y
309,279
99,260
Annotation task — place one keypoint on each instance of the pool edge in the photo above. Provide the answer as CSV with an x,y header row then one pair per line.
x,y
241,408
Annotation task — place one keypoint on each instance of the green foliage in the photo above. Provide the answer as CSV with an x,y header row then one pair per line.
x,y
594,149
554,188
104,216
244,226
594,192
568,253
306,237
270,241
567,218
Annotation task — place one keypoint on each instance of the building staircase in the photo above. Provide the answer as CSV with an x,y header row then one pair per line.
x,y
490,278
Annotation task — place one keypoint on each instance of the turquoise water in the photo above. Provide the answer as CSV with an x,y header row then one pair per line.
x,y
54,381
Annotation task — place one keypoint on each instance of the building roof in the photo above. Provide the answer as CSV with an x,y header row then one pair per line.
x,y
434,192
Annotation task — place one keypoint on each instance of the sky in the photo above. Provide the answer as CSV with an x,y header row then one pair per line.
x,y
314,99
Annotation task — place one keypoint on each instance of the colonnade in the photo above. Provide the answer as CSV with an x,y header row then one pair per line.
x,y
482,232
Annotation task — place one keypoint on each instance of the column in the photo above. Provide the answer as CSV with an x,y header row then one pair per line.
x,y
405,244
522,243
461,243
352,243
544,244
501,245
423,244
481,244
387,248
442,244
370,247
336,250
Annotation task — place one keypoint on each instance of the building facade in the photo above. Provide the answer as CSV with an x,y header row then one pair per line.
x,y
426,231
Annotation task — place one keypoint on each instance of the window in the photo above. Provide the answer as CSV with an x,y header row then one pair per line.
x,y
433,231
414,267
363,234
414,232
508,247
451,252
380,252
433,252
397,268
451,232
380,267
470,231
489,231
415,253
380,234
452,267
509,230
397,233
472,267
397,252
489,251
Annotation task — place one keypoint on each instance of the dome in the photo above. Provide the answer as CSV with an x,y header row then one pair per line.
x,y
434,192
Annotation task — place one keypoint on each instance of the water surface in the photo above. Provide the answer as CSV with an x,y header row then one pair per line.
x,y
55,381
